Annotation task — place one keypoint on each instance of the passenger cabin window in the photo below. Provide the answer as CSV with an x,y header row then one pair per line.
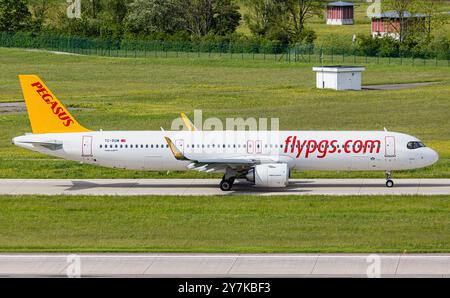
x,y
415,145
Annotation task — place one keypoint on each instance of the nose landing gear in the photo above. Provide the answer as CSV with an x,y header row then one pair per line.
x,y
389,181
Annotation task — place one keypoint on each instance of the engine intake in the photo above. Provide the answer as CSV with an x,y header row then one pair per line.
x,y
269,175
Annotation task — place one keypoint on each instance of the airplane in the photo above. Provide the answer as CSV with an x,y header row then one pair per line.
x,y
263,158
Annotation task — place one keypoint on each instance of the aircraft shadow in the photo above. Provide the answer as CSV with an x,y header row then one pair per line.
x,y
81,185
238,187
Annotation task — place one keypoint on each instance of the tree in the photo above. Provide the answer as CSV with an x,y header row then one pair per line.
x,y
95,8
401,8
262,16
154,16
199,16
433,19
117,9
283,20
112,18
205,16
39,10
227,17
14,15
297,12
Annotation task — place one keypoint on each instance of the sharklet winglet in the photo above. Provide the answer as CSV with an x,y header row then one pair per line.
x,y
188,122
175,151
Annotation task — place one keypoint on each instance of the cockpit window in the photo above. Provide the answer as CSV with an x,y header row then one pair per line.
x,y
415,145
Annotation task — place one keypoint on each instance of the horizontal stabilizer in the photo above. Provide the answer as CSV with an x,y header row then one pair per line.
x,y
52,145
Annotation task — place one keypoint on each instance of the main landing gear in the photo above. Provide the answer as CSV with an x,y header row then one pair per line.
x,y
389,181
226,184
228,179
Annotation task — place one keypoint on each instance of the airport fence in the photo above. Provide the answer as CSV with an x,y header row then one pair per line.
x,y
234,50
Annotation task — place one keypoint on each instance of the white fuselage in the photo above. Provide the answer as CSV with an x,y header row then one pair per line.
x,y
301,150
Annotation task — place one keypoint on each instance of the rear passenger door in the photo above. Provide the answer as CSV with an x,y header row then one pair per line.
x,y
86,146
389,146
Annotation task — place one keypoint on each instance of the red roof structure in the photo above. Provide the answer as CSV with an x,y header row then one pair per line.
x,y
390,23
340,13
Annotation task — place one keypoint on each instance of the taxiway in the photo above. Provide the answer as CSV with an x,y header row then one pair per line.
x,y
223,265
186,187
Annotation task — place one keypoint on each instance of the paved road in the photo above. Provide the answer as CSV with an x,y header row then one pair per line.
x,y
397,86
19,107
128,187
225,265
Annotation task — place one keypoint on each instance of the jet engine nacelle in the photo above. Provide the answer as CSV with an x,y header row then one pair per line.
x,y
269,175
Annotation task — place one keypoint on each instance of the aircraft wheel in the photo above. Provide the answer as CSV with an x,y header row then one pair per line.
x,y
226,185
389,183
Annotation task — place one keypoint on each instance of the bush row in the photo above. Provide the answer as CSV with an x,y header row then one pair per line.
x,y
365,46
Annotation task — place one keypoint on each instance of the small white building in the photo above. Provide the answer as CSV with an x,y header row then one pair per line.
x,y
339,77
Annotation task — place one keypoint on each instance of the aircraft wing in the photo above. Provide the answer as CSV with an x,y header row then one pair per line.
x,y
216,163
244,160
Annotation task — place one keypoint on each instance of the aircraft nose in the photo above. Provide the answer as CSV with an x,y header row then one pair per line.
x,y
13,141
430,157
434,156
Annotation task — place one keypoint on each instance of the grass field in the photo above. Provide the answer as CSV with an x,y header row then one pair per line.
x,y
226,224
145,94
342,35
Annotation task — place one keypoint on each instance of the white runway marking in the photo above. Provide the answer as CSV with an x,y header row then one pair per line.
x,y
189,187
226,265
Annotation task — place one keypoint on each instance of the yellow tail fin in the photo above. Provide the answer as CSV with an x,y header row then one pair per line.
x,y
46,113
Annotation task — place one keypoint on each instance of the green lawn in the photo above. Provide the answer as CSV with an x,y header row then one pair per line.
x,y
226,224
145,94
339,36
327,34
